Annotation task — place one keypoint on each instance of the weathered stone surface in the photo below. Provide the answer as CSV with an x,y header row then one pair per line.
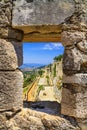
x,y
31,120
19,52
73,27
10,89
43,12
40,19
79,17
82,46
75,60
8,32
47,33
5,13
82,124
72,38
82,9
8,58
74,100
38,13
80,79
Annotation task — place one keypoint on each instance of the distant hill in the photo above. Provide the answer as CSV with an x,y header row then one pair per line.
x,y
30,66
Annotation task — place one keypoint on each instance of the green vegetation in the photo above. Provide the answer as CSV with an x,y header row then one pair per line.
x,y
40,72
48,80
25,90
58,58
50,65
29,78
59,83
54,71
41,87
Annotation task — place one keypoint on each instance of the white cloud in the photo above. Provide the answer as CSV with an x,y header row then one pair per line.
x,y
58,45
52,46
47,47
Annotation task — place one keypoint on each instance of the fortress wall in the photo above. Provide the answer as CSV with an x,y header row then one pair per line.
x,y
35,18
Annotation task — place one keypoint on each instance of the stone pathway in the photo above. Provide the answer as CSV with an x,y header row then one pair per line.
x,y
42,81
47,94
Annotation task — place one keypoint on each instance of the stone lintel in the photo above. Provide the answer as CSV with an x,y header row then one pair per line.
x,y
37,37
44,12
41,33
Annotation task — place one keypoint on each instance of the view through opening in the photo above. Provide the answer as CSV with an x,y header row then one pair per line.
x,y
42,70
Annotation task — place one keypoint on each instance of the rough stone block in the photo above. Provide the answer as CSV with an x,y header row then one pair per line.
x,y
74,60
10,33
74,100
72,38
19,52
74,95
83,124
10,90
5,12
8,57
44,12
79,78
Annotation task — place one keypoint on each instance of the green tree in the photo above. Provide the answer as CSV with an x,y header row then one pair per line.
x,y
40,72
58,58
50,67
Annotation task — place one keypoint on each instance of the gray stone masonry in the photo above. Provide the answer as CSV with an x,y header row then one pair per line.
x,y
11,90
11,79
74,38
20,17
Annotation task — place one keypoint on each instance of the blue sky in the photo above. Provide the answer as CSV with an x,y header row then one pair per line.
x,y
42,53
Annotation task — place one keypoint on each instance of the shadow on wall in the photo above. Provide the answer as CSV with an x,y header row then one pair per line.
x,y
49,107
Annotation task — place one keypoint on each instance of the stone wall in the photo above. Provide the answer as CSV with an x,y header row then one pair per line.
x,y
73,20
41,19
11,78
74,38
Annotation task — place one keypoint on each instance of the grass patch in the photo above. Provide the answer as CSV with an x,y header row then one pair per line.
x,y
41,87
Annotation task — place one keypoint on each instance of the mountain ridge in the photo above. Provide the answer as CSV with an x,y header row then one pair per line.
x,y
31,65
